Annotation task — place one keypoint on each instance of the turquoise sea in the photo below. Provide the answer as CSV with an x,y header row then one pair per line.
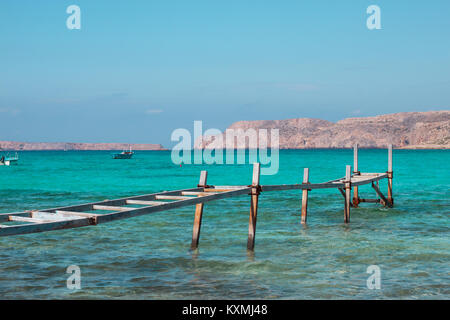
x,y
148,257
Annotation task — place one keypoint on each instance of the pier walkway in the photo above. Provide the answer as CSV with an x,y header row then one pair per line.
x,y
110,210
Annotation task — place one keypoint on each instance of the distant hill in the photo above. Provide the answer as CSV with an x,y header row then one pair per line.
x,y
407,130
18,146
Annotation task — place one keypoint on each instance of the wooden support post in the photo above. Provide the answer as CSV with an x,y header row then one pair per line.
x,y
355,172
370,200
383,199
198,214
343,194
390,177
256,189
383,202
348,194
305,196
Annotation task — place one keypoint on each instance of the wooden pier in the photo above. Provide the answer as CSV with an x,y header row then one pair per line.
x,y
89,214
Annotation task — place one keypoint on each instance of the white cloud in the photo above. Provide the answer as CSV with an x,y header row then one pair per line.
x,y
153,111
10,111
299,87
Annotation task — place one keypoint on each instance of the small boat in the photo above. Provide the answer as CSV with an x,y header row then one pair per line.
x,y
123,155
9,160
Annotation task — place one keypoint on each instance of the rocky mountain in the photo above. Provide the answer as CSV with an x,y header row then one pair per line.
x,y
407,130
18,146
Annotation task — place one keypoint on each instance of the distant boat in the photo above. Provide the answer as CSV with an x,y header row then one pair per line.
x,y
9,160
123,155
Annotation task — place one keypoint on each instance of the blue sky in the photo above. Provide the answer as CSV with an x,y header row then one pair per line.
x,y
137,70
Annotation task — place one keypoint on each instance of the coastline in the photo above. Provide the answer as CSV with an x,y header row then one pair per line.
x,y
71,146
165,149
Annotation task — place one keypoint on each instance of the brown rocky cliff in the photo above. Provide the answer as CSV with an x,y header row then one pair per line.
x,y
409,130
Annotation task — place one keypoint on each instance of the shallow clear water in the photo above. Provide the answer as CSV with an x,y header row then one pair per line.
x,y
148,257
